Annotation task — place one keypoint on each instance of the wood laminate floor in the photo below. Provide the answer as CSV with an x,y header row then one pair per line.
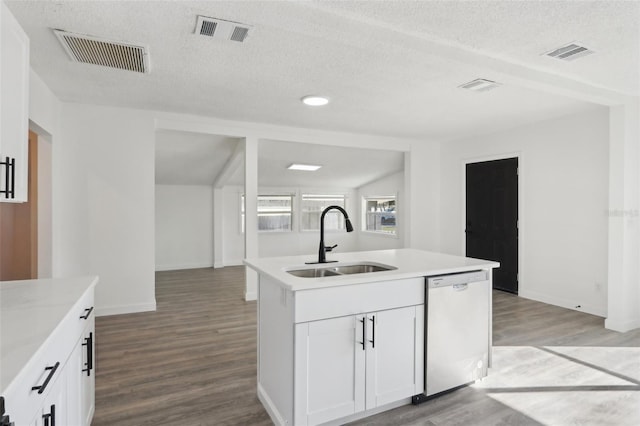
x,y
193,362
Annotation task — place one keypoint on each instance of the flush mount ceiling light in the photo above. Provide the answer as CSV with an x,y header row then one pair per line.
x,y
305,167
480,85
313,100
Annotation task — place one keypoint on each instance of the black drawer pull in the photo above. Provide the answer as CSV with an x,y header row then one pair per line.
x,y
364,332
87,312
50,419
88,342
10,177
52,371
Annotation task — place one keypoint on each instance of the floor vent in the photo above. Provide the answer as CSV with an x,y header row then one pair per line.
x,y
480,85
219,29
569,52
106,53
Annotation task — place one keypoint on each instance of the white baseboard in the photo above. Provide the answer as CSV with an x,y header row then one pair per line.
x,y
234,262
125,309
622,326
563,303
218,265
249,296
183,266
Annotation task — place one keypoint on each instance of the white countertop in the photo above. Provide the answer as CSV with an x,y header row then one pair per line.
x,y
410,263
30,311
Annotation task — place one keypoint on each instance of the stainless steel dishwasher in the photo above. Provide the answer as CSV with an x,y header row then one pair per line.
x,y
458,331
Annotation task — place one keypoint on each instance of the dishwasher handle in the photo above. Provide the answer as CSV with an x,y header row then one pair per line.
x,y
459,287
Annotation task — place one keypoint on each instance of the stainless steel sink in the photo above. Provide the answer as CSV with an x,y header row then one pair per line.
x,y
340,270
360,269
313,273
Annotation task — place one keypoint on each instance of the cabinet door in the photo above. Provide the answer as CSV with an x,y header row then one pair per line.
x,y
394,355
14,110
330,364
88,374
81,379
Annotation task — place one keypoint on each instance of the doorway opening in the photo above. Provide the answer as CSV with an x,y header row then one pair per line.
x,y
491,217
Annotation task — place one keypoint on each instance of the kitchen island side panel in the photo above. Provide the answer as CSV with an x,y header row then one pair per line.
x,y
275,350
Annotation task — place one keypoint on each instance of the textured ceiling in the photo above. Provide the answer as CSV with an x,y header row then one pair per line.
x,y
390,68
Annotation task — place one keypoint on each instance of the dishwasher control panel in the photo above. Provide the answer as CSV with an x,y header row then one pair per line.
x,y
457,279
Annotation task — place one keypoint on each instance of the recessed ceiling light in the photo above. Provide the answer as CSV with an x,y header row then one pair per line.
x,y
480,85
305,167
313,100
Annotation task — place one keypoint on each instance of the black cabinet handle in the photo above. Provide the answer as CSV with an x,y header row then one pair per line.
x,y
4,417
50,419
373,331
364,339
88,342
52,371
10,177
87,312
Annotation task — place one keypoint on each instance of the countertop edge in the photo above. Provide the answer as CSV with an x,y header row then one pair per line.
x,y
7,388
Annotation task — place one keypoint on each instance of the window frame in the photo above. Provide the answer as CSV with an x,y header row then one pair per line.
x,y
291,211
364,212
327,195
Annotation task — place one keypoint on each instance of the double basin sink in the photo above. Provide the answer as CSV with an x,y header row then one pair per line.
x,y
332,271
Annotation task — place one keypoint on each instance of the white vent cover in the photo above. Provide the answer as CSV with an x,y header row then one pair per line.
x,y
222,30
107,53
480,85
570,52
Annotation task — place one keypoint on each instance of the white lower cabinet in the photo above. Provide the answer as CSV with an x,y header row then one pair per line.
x,y
81,380
350,364
58,387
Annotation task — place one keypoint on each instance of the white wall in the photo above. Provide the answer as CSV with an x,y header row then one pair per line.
x,y
45,223
44,117
103,203
389,185
563,201
183,227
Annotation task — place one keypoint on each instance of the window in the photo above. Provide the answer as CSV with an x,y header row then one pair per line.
x,y
380,214
274,213
312,207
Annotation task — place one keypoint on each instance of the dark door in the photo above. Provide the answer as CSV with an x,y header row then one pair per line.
x,y
492,218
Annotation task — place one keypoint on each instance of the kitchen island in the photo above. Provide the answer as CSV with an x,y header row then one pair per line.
x,y
335,346
47,350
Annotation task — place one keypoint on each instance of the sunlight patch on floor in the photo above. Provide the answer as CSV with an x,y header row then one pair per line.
x,y
567,385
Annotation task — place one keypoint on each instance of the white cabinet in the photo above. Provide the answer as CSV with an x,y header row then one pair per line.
x,y
14,108
335,354
330,369
57,387
350,364
395,358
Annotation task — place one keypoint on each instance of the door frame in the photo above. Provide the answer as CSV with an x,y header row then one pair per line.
x,y
521,222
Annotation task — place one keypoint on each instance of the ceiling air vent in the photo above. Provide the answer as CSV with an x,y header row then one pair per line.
x,y
221,30
107,53
569,52
480,85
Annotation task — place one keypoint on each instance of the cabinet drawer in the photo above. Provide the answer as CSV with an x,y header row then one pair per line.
x,y
316,304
